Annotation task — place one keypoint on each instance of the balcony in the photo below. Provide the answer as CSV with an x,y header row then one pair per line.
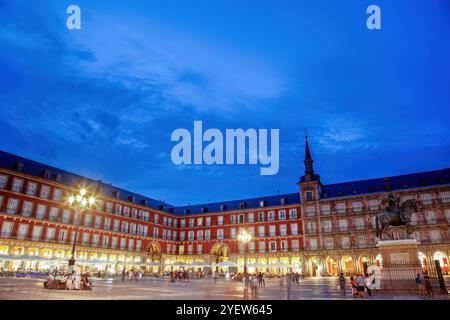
x,y
444,200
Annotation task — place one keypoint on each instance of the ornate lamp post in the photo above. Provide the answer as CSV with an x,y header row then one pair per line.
x,y
244,238
79,203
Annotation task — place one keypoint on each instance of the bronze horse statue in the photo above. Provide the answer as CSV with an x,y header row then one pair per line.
x,y
396,216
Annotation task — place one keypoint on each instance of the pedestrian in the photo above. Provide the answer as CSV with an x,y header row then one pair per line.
x,y
368,284
354,286
427,284
288,286
255,283
246,285
360,284
123,274
342,284
419,283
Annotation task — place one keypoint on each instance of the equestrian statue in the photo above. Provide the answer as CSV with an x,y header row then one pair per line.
x,y
395,214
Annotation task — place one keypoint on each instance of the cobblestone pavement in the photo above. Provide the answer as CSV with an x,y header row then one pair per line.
x,y
204,289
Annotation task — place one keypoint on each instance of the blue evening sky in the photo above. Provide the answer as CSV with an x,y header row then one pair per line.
x,y
103,101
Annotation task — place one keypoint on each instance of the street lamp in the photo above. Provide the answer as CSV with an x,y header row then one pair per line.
x,y
244,238
79,203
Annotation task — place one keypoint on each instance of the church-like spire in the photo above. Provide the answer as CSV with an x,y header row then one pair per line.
x,y
309,171
307,152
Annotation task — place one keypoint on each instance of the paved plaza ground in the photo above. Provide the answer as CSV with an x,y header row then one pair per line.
x,y
204,289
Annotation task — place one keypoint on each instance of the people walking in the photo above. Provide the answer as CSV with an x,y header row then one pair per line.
x,y
123,274
419,283
246,285
354,287
342,284
427,284
361,285
288,286
368,284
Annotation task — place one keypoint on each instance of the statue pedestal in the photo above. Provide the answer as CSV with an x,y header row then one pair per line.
x,y
400,265
398,251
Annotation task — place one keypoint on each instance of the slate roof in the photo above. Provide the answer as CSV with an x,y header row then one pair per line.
x,y
252,203
406,181
10,161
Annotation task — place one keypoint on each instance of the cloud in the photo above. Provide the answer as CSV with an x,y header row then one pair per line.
x,y
177,66
344,133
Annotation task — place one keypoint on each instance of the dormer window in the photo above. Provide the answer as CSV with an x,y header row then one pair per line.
x,y
223,207
57,177
18,166
116,194
132,199
242,205
309,196
187,211
262,203
204,209
45,174
355,191
283,201
144,202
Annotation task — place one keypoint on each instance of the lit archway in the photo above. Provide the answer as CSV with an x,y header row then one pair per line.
x,y
316,266
332,266
442,260
379,261
347,264
154,251
220,252
364,263
423,261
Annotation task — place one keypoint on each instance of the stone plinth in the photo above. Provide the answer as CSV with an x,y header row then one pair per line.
x,y
400,265
397,251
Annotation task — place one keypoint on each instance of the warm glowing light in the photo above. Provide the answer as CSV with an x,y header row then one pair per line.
x,y
83,202
244,237
91,200
71,199
79,198
83,191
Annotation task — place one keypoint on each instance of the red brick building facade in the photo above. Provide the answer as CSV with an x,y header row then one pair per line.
x,y
320,230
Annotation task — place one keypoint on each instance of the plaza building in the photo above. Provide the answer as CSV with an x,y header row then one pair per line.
x,y
323,229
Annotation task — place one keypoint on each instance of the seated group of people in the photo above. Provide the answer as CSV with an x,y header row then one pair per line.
x,y
73,281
